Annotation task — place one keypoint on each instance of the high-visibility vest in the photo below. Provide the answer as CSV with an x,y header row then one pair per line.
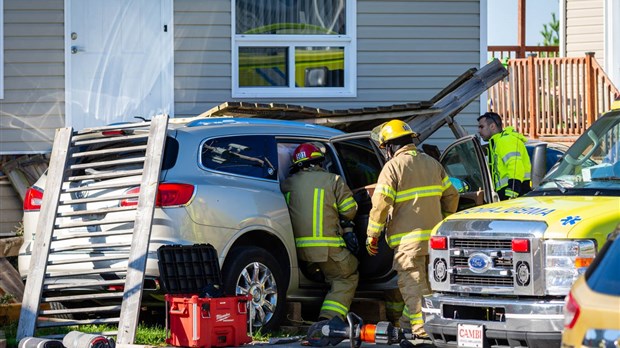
x,y
508,158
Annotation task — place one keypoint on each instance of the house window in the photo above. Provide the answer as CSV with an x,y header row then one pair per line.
x,y
303,48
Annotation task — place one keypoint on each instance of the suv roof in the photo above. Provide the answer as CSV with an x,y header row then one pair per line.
x,y
257,125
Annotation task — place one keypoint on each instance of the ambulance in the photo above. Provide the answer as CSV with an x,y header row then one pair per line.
x,y
500,272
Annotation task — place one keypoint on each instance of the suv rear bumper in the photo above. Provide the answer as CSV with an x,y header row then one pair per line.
x,y
522,322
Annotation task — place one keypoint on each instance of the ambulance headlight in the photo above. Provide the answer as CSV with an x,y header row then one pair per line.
x,y
565,260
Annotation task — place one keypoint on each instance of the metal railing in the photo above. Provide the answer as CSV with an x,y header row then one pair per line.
x,y
552,97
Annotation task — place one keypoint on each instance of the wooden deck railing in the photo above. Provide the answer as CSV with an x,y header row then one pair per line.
x,y
512,52
546,98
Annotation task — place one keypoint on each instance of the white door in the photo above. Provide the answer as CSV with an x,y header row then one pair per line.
x,y
119,60
612,40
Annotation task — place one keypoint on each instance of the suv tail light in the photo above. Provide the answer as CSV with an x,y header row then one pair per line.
x,y
571,311
33,199
439,242
168,195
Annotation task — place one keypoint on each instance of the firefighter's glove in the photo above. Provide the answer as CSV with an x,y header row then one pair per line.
x,y
349,237
350,240
372,246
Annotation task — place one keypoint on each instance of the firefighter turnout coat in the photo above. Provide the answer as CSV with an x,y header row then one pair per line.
x,y
414,189
316,200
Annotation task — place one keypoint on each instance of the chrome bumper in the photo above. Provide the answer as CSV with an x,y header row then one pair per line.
x,y
530,322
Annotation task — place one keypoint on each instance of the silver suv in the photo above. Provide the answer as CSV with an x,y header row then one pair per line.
x,y
220,184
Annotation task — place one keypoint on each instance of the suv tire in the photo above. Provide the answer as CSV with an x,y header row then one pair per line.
x,y
253,271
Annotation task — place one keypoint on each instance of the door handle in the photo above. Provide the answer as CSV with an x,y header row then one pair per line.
x,y
75,49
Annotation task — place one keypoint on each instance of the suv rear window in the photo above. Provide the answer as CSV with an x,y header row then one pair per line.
x,y
249,155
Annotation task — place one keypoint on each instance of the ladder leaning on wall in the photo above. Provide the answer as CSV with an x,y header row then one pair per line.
x,y
82,164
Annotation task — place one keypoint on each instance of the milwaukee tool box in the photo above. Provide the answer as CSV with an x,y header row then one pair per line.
x,y
198,314
189,269
207,322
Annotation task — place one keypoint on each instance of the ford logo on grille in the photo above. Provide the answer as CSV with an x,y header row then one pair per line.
x,y
479,262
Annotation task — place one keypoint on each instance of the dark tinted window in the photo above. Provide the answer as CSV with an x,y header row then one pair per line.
x,y
171,152
359,161
603,275
243,155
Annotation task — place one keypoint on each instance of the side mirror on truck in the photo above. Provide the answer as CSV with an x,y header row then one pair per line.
x,y
539,164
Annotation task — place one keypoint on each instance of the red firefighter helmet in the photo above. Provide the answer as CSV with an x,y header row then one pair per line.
x,y
306,152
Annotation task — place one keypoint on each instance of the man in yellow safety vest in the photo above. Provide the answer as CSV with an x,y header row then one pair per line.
x,y
509,161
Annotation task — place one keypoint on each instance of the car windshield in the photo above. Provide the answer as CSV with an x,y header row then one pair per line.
x,y
593,162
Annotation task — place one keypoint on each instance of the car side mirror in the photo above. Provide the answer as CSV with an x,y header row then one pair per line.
x,y
539,164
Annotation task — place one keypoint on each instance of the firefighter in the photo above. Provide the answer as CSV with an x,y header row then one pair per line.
x,y
322,209
509,161
415,193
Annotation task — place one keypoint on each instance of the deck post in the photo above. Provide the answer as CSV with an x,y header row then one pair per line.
x,y
590,90
531,96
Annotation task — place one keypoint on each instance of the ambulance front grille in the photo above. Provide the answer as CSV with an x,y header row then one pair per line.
x,y
498,247
490,244
482,280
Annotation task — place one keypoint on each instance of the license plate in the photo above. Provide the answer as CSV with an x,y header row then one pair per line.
x,y
470,335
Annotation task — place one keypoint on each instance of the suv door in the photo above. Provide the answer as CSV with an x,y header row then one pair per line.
x,y
466,165
360,162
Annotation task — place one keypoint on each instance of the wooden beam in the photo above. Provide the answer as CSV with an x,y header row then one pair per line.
x,y
531,96
521,29
591,92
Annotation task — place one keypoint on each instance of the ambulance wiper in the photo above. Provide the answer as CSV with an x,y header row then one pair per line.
x,y
559,183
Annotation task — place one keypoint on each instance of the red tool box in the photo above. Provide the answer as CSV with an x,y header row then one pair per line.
x,y
198,314
207,322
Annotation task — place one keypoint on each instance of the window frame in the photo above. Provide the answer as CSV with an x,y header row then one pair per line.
x,y
347,41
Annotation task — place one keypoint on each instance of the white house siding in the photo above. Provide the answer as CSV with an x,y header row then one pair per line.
x,y
33,104
407,51
585,29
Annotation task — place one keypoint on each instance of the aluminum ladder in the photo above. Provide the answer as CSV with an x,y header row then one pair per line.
x,y
83,163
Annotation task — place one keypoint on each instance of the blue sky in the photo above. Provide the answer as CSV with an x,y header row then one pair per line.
x,y
502,20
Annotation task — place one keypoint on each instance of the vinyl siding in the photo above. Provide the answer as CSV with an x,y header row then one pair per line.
x,y
585,29
11,212
407,51
33,104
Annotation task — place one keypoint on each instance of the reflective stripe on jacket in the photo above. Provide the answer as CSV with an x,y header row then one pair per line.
x,y
316,199
508,158
414,189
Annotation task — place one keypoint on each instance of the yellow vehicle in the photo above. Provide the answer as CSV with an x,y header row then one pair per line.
x,y
592,310
500,272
